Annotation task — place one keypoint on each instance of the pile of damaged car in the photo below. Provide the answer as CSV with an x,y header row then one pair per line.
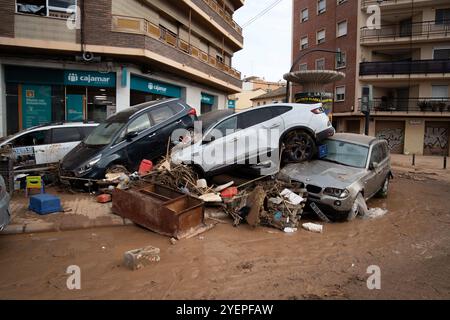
x,y
222,157
270,165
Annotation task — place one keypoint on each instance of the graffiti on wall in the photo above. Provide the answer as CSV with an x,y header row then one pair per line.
x,y
394,138
436,140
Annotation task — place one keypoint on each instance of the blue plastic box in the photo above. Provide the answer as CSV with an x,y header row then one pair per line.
x,y
45,203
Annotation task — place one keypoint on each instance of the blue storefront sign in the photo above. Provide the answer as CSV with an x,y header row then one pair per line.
x,y
155,87
207,99
231,104
36,105
89,78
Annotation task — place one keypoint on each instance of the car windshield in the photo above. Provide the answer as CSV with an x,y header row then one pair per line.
x,y
346,153
104,133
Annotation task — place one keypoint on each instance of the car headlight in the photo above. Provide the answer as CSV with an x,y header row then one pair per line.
x,y
337,193
89,165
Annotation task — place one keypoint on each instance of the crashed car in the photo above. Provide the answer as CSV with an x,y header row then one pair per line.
x,y
5,215
43,145
121,142
257,138
354,169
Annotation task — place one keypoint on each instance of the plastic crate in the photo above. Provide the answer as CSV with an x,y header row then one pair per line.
x,y
45,204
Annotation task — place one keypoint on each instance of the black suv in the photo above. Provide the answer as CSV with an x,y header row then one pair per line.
x,y
128,137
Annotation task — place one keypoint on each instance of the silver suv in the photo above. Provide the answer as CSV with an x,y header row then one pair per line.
x,y
353,169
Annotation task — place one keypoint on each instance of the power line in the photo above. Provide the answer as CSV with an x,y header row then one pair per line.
x,y
262,13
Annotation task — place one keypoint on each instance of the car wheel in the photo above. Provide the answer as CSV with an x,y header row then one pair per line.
x,y
383,193
359,208
298,147
117,168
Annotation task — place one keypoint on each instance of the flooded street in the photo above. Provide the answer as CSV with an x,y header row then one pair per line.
x,y
410,244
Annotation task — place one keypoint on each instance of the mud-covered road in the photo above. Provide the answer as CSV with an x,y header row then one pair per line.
x,y
411,245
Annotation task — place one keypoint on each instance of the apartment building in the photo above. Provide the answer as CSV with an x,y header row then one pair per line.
x,y
405,64
72,60
274,96
252,87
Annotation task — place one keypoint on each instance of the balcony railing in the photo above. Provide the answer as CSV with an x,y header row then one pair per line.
x,y
426,29
437,105
213,4
366,3
143,26
404,67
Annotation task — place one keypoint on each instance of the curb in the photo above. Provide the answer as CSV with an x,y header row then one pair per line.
x,y
14,229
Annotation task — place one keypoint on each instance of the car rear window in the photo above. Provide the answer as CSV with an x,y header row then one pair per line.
x,y
162,114
63,135
278,111
252,118
177,108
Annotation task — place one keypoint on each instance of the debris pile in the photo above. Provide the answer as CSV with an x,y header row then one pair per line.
x,y
272,203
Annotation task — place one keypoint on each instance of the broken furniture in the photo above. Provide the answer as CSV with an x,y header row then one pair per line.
x,y
45,204
161,210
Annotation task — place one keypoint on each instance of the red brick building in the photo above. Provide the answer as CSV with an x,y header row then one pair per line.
x,y
404,63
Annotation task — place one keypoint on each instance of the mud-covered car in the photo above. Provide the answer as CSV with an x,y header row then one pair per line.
x,y
354,169
257,139
4,205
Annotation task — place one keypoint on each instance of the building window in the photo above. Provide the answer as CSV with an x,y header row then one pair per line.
x,y
342,29
443,16
441,54
343,62
439,91
320,36
320,64
303,43
305,15
340,93
47,8
321,6
303,67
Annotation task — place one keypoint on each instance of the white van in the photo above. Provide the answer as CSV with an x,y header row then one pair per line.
x,y
44,145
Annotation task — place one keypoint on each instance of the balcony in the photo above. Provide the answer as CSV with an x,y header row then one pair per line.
x,y
431,106
395,33
422,67
142,26
397,4
215,6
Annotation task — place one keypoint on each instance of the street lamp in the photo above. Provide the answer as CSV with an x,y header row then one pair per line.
x,y
288,83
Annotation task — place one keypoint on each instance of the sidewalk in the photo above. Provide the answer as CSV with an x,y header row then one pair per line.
x,y
426,165
81,211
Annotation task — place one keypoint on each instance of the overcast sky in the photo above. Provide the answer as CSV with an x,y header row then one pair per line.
x,y
267,41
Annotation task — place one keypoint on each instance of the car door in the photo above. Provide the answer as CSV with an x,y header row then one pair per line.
x,y
375,176
259,134
165,122
30,147
142,142
64,139
218,146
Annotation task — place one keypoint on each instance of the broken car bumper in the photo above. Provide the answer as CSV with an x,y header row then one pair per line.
x,y
325,134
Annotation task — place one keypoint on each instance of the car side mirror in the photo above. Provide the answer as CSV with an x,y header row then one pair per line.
x,y
131,135
374,165
209,139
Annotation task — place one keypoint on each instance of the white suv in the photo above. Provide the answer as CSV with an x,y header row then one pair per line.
x,y
46,144
258,138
